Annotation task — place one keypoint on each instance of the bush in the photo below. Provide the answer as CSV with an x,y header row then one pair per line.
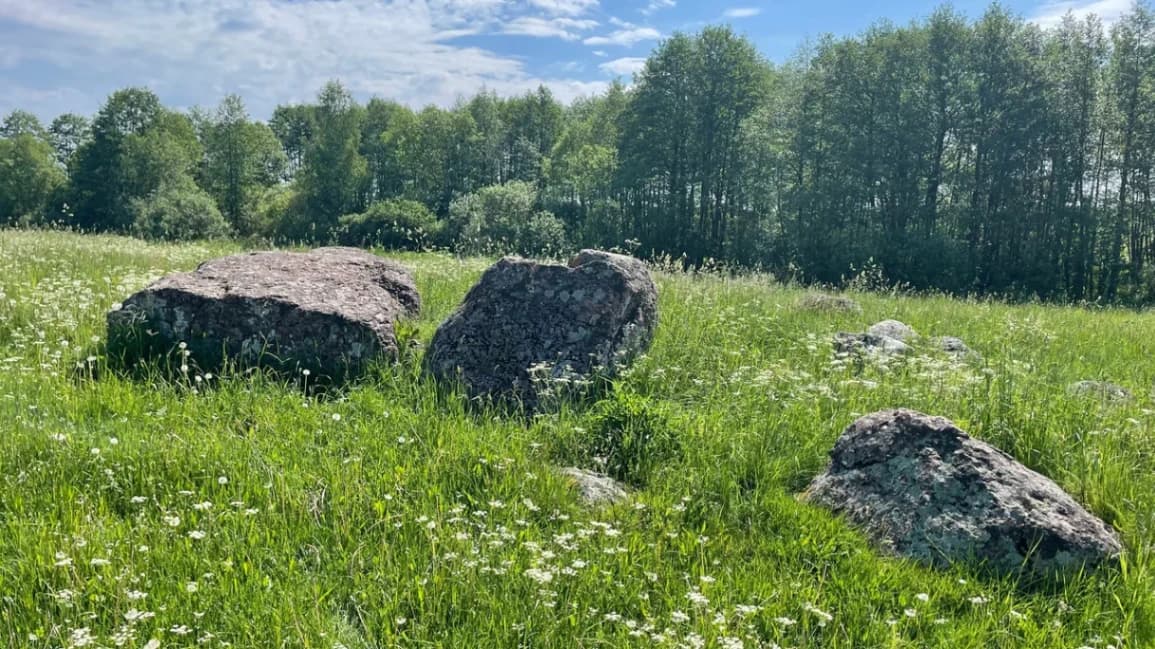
x,y
178,211
395,224
633,436
502,219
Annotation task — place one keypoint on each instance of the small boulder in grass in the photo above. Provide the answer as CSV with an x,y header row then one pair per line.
x,y
899,331
956,347
595,489
1102,390
922,488
868,343
828,303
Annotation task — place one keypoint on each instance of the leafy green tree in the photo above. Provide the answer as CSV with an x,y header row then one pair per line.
x,y
242,159
67,134
21,122
395,224
503,218
29,178
178,210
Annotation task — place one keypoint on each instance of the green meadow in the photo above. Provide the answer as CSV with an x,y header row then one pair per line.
x,y
238,510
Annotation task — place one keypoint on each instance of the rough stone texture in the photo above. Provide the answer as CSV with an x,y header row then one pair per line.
x,y
591,316
1100,390
595,489
928,491
824,302
955,346
330,311
893,329
868,343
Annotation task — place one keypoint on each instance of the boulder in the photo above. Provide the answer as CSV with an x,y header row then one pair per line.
x,y
926,490
893,329
955,347
330,311
1100,390
825,302
868,343
526,321
594,488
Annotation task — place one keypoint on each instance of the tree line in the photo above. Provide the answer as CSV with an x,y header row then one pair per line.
x,y
970,156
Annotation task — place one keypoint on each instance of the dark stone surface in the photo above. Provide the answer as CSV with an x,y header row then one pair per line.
x,y
571,322
330,311
926,490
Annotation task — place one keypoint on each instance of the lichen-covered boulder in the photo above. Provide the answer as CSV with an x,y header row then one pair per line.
x,y
899,331
330,311
525,321
956,347
926,490
869,344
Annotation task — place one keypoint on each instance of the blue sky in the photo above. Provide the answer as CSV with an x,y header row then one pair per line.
x,y
68,55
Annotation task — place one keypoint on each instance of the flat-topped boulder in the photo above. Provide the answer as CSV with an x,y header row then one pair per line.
x,y
524,322
330,311
924,489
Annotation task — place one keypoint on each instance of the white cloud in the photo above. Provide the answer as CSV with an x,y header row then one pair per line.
x,y
625,37
566,7
742,12
270,51
657,5
624,66
600,53
1050,14
563,28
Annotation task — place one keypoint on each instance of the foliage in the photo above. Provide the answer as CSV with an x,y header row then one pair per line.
x,y
396,224
503,218
178,210
630,437
29,178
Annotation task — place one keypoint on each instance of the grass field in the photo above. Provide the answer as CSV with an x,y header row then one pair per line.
x,y
238,512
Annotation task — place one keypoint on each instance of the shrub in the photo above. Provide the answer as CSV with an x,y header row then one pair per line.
x,y
502,219
179,211
396,224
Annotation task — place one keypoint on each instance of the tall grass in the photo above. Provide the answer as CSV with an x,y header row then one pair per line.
x,y
239,512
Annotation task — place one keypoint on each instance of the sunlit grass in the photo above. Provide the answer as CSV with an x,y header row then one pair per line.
x,y
238,512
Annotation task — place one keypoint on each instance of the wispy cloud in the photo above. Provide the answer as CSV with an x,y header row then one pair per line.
x,y
625,37
563,28
1050,14
271,51
624,66
742,12
657,5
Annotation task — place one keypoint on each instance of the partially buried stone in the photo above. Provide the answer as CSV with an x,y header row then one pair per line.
x,y
924,489
525,322
826,302
595,488
1102,390
330,311
868,343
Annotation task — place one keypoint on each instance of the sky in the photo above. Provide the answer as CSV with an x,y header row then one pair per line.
x,y
61,56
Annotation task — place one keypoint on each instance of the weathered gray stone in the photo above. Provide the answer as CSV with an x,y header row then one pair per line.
x,y
955,347
868,343
1100,390
330,311
825,302
563,322
594,488
893,329
926,490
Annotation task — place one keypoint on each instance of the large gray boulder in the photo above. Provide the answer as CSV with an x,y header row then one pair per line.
x,y
926,490
330,311
868,344
554,322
